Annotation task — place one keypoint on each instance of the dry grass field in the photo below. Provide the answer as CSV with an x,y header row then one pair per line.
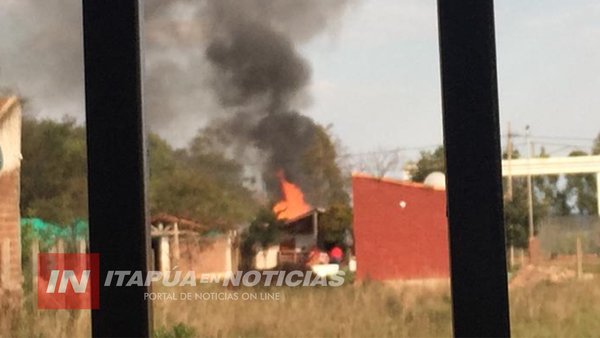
x,y
369,310
567,309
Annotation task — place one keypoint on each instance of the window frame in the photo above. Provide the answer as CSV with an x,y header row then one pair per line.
x,y
117,170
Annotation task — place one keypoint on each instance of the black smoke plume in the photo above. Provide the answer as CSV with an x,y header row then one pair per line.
x,y
258,77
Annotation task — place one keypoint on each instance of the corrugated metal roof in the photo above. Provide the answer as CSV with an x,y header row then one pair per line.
x,y
170,219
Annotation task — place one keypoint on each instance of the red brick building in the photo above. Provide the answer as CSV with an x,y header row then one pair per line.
x,y
400,229
10,235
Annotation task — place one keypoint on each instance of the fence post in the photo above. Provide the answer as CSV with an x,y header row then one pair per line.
x,y
176,254
598,191
165,261
60,249
60,246
35,249
522,257
82,246
579,255
512,256
229,252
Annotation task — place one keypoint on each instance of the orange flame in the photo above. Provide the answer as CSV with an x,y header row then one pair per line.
x,y
293,204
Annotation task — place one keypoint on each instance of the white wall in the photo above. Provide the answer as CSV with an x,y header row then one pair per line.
x,y
266,259
10,135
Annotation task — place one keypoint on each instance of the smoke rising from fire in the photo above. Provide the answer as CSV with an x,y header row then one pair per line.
x,y
258,77
256,63
235,61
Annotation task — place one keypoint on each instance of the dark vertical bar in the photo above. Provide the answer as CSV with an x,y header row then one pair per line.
x,y
116,161
474,185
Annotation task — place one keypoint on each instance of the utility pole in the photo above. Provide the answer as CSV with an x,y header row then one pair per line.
x,y
529,187
598,192
509,151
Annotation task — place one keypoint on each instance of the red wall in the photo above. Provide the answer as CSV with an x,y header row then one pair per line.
x,y
399,243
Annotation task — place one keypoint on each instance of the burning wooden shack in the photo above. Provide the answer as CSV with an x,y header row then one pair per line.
x,y
300,235
300,231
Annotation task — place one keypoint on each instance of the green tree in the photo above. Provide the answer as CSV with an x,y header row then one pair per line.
x,y
162,159
428,163
204,156
516,211
325,181
336,223
596,146
54,171
198,183
551,199
264,231
581,190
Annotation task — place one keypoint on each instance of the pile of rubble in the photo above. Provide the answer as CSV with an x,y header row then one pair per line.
x,y
533,274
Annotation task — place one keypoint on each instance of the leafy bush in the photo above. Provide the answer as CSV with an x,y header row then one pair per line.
x,y
177,331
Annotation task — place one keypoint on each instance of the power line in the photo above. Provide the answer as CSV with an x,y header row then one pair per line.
x,y
432,146
566,138
562,149
354,155
560,144
389,151
548,137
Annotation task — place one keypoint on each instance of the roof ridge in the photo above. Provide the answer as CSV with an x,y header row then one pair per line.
x,y
394,181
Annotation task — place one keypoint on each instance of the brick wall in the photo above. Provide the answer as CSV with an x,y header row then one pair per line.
x,y
10,236
10,243
206,257
400,230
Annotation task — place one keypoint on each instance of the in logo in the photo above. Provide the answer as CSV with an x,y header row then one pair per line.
x,y
68,281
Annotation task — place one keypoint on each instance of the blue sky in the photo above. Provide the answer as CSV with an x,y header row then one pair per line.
x,y
376,79
375,74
